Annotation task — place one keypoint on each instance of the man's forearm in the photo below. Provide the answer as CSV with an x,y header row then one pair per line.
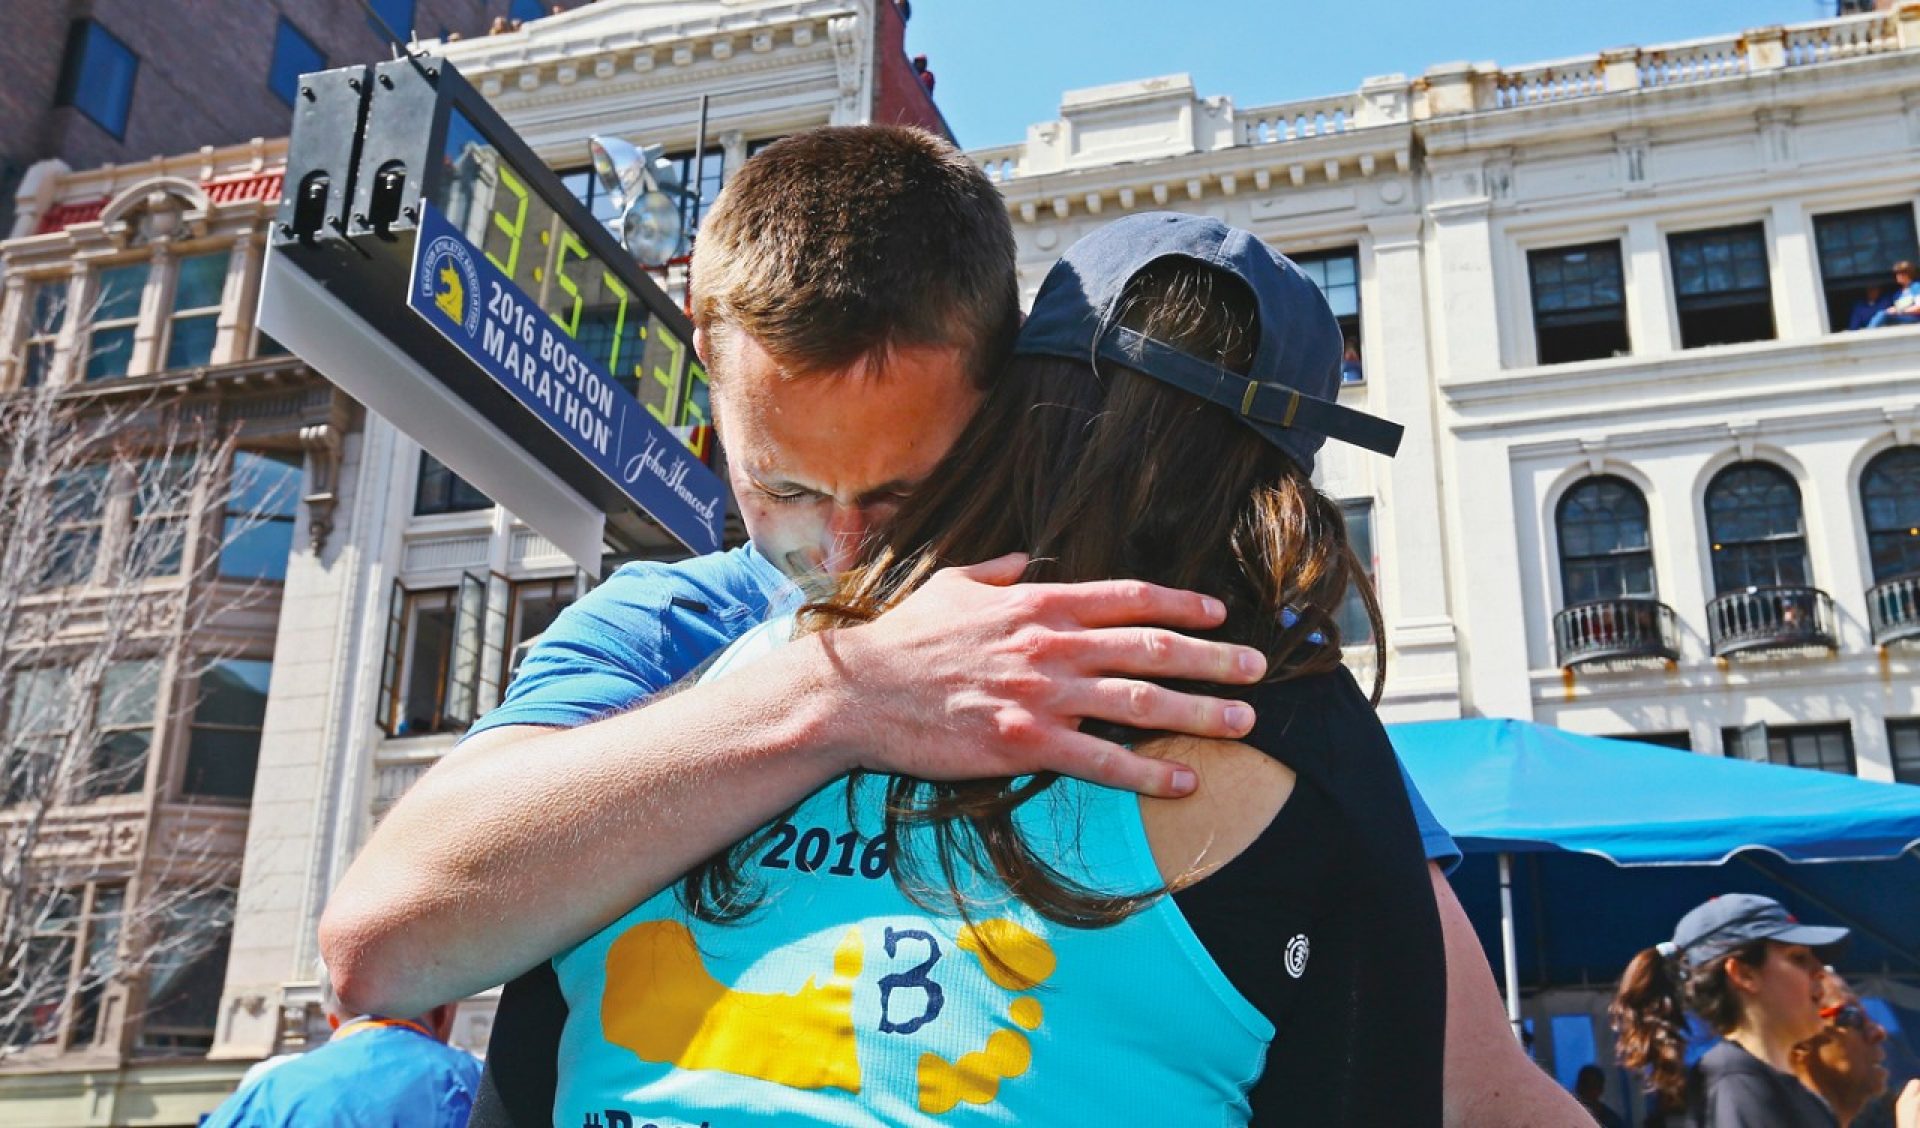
x,y
524,841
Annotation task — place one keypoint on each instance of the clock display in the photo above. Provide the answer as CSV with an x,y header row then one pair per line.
x,y
562,274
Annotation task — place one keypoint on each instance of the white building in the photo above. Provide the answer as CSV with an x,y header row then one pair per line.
x,y
1607,285
1650,484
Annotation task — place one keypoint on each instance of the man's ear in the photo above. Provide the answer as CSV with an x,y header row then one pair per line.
x,y
701,349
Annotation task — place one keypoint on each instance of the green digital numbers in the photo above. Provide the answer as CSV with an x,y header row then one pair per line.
x,y
515,230
664,411
570,243
619,320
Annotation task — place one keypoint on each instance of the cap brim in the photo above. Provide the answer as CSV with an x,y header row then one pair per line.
x,y
1813,936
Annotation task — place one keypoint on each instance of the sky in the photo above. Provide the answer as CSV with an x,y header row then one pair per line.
x,y
1001,65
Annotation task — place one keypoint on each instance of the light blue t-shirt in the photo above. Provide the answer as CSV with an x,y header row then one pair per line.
x,y
843,1001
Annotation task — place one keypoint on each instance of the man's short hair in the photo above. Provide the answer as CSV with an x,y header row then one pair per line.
x,y
1903,267
844,242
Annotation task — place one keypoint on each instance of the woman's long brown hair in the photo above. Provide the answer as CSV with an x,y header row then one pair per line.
x,y
1649,1013
1106,474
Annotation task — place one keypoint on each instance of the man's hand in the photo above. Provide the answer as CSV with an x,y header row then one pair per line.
x,y
976,675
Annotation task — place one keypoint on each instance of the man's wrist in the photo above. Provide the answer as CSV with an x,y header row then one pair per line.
x,y
829,722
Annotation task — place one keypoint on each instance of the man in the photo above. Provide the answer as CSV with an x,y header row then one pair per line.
x,y
854,291
372,1073
1846,1062
1590,1089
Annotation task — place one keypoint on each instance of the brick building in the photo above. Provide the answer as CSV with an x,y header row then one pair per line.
x,y
93,82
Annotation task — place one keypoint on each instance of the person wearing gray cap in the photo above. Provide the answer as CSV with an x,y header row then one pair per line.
x,y
1035,949
1754,974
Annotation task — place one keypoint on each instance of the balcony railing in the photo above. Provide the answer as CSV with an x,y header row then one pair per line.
x,y
1615,630
1893,609
1771,618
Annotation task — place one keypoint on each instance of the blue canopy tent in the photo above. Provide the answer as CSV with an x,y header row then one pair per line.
x,y
1582,850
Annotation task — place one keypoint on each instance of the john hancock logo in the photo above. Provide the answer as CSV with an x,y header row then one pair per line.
x,y
451,282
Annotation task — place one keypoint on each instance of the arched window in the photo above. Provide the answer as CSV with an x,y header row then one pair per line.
x,y
1605,551
1890,498
1754,520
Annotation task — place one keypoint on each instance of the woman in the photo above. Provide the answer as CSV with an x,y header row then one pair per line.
x,y
1754,975
1044,951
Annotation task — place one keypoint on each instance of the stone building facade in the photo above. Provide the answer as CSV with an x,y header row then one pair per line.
x,y
1651,483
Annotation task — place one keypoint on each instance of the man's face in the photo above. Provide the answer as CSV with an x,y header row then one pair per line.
x,y
819,460
1845,1062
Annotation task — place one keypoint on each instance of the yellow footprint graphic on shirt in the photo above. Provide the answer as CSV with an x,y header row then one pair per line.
x,y
663,1004
1016,960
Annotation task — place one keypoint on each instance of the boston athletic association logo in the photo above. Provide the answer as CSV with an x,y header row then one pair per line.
x,y
451,282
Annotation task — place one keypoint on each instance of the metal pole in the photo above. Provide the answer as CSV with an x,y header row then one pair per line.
x,y
699,164
1509,948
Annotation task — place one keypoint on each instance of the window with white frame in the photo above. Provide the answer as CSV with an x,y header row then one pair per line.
x,y
186,969
199,282
1904,736
1721,287
263,497
1857,251
161,499
77,507
223,744
71,956
1337,273
533,607
88,741
1890,500
1826,748
1757,528
46,305
1606,551
1579,302
113,319
433,662
1356,629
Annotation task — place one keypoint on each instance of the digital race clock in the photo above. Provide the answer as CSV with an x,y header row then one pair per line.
x,y
412,205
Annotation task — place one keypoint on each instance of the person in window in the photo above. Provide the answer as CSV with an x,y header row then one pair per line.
x,y
1754,974
1877,298
1350,363
1905,308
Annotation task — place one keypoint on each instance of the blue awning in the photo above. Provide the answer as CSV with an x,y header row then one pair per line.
x,y
1505,786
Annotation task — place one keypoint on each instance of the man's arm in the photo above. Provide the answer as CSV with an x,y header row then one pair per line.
x,y
1489,1081
524,841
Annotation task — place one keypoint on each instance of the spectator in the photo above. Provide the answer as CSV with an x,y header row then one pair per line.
x,y
373,1073
1752,973
906,9
1588,1087
1846,1061
1905,309
1350,364
920,68
1877,298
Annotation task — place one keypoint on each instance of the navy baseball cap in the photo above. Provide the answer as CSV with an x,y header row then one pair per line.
x,y
1728,922
1290,395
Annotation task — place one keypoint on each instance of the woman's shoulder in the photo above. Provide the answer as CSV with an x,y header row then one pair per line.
x,y
1240,791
